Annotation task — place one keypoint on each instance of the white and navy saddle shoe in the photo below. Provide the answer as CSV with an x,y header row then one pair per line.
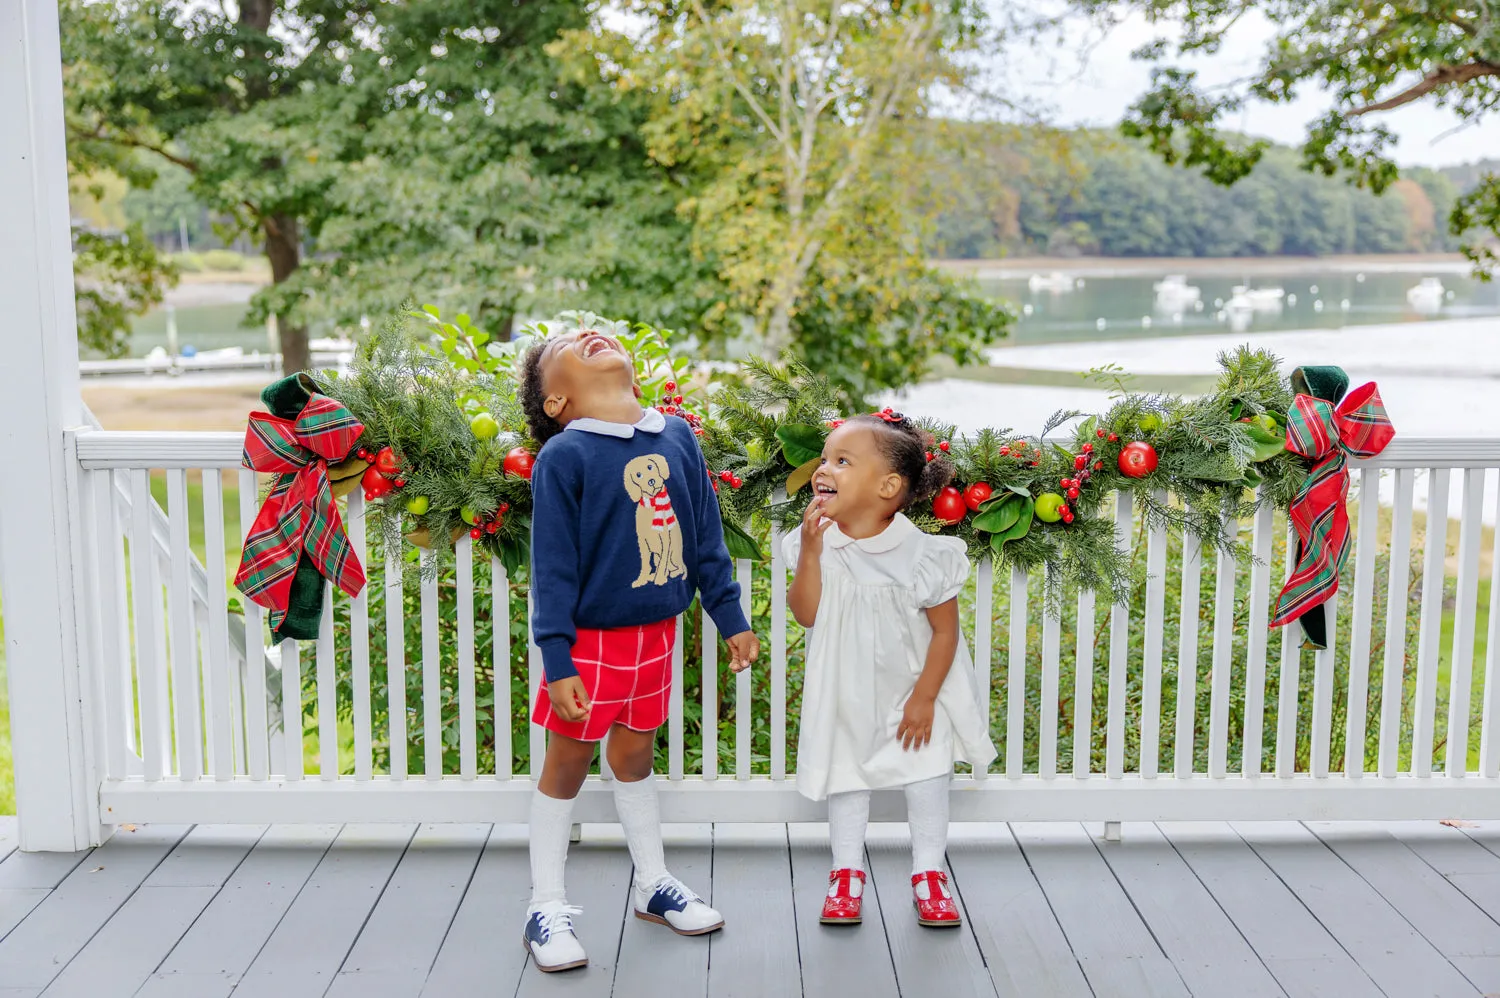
x,y
671,903
550,939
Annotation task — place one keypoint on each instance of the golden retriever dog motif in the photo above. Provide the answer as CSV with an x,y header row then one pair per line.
x,y
656,527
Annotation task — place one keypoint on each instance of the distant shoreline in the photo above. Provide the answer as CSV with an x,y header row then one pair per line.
x,y
1021,267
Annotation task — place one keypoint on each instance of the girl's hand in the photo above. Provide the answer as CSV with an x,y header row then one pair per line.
x,y
916,722
813,527
569,699
743,649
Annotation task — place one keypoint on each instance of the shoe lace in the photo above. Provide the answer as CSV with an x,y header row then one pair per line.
x,y
676,889
556,916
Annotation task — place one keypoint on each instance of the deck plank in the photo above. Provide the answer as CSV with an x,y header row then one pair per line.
x,y
1113,946
1025,949
927,960
1463,862
651,954
1384,944
397,946
39,870
1202,942
836,959
38,949
215,953
309,945
482,953
753,890
138,937
1299,952
1454,925
598,880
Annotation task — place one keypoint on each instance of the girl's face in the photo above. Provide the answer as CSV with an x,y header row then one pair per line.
x,y
855,475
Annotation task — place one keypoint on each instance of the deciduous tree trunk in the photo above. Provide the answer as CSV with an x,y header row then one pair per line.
x,y
285,253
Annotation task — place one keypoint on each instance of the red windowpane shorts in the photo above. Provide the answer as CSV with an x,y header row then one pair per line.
x,y
627,672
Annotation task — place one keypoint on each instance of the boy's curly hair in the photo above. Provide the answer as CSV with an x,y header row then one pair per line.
x,y
906,446
533,396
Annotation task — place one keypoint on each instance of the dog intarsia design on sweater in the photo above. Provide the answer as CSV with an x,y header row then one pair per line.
x,y
656,528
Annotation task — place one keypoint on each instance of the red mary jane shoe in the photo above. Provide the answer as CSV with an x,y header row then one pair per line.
x,y
842,905
937,908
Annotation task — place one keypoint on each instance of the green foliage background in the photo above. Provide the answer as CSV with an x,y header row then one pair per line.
x,y
508,745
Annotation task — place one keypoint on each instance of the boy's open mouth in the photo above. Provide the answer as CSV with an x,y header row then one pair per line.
x,y
595,345
824,489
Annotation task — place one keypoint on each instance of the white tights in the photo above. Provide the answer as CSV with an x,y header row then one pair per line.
x,y
926,816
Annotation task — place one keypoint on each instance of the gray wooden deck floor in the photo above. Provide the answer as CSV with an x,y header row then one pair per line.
x,y
381,911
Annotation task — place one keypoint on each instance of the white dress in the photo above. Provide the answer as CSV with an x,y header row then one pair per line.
x,y
864,654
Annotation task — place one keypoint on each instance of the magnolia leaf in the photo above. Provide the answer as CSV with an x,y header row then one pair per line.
x,y
742,547
801,443
802,476
1022,526
999,514
1267,443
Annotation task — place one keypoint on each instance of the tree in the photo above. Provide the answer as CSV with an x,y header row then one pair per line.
x,y
495,179
801,126
1370,58
380,152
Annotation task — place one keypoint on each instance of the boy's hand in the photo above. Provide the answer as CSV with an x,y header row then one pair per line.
x,y
916,722
569,699
813,528
743,649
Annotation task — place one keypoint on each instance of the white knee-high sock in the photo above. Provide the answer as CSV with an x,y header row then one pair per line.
x,y
640,817
550,824
927,818
848,814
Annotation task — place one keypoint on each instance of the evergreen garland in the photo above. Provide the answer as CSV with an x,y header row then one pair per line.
x,y
418,383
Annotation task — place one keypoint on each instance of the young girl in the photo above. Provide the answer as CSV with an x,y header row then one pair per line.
x,y
625,529
888,700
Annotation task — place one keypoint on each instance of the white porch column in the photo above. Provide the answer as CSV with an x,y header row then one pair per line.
x,y
39,399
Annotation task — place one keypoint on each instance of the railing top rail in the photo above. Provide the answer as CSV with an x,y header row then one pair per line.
x,y
161,449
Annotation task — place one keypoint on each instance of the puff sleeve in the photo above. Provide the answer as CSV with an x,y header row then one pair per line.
x,y
942,569
791,548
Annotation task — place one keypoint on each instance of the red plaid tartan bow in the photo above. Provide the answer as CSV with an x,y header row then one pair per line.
x,y
299,513
1328,436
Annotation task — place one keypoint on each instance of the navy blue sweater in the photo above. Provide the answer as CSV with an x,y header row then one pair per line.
x,y
624,531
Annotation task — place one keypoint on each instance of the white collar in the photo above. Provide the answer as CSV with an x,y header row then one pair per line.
x,y
651,422
887,540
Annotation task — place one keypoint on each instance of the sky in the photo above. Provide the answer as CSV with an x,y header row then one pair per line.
x,y
1095,82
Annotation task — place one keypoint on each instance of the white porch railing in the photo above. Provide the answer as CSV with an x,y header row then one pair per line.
x,y
187,724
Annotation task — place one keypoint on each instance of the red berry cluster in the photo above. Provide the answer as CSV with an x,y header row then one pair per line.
x,y
944,447
729,478
1022,451
1073,487
383,474
491,525
671,404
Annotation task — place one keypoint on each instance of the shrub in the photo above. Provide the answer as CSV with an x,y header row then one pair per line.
x,y
226,261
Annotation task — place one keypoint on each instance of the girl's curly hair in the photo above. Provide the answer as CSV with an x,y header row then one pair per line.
x,y
906,446
533,396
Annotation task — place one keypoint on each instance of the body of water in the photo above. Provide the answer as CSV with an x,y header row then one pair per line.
x,y
1131,307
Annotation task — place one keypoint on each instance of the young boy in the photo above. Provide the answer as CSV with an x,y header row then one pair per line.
x,y
625,529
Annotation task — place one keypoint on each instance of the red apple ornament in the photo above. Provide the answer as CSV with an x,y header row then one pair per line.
x,y
948,506
519,463
977,495
387,462
1137,459
375,484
